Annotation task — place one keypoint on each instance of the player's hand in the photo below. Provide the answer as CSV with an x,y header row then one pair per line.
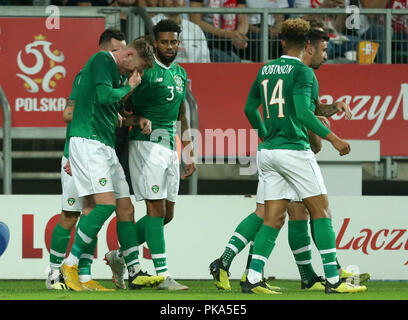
x,y
189,170
135,79
324,120
145,125
344,107
67,168
340,145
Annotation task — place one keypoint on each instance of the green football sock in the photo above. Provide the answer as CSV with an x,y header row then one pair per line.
x,y
127,236
325,240
88,229
263,246
299,242
88,252
59,244
141,230
244,232
155,242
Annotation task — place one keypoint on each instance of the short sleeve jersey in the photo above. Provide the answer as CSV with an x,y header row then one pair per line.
x,y
72,96
158,99
275,86
92,119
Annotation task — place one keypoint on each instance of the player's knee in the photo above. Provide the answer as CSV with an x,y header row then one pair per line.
x,y
68,219
260,210
125,212
168,217
276,221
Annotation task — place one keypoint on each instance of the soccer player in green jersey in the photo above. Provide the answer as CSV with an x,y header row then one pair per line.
x,y
299,239
110,40
153,160
98,176
286,137
288,91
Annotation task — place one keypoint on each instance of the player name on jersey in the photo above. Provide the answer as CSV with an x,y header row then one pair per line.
x,y
276,69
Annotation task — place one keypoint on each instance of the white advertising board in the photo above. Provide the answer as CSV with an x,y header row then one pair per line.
x,y
371,237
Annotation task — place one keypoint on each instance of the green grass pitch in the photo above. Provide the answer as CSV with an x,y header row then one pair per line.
x,y
199,290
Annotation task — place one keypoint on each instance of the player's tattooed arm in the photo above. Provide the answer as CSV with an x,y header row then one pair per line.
x,y
188,152
327,110
68,111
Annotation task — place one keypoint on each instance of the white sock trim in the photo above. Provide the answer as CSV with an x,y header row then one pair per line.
x,y
327,251
258,257
84,237
127,252
240,237
233,248
303,249
57,254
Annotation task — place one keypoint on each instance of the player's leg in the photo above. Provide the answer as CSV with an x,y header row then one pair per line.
x,y
259,211
264,242
94,183
243,234
87,256
60,238
155,235
276,191
61,235
169,283
300,244
356,278
86,234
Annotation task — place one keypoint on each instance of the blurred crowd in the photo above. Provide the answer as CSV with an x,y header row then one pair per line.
x,y
238,37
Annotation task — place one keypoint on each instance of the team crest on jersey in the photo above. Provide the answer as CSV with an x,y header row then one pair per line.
x,y
155,188
178,80
103,181
71,201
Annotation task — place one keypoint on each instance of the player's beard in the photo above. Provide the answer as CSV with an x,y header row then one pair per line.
x,y
166,59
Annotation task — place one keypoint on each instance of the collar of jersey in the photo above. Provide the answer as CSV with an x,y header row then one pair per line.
x,y
289,57
113,57
161,64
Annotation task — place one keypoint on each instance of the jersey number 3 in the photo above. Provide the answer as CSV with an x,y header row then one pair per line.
x,y
276,98
171,88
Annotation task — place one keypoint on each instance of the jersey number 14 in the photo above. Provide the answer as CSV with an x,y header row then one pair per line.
x,y
276,98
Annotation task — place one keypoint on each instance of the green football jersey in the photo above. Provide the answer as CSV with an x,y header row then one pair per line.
x,y
72,96
275,87
158,99
101,87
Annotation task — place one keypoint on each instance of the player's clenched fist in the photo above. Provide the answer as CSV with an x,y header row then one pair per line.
x,y
145,125
135,79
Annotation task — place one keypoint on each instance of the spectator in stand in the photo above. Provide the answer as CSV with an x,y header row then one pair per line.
x,y
253,51
340,43
193,44
226,33
400,32
370,28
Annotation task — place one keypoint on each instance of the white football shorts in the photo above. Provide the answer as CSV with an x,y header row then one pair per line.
x,y
70,199
96,168
288,174
154,171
